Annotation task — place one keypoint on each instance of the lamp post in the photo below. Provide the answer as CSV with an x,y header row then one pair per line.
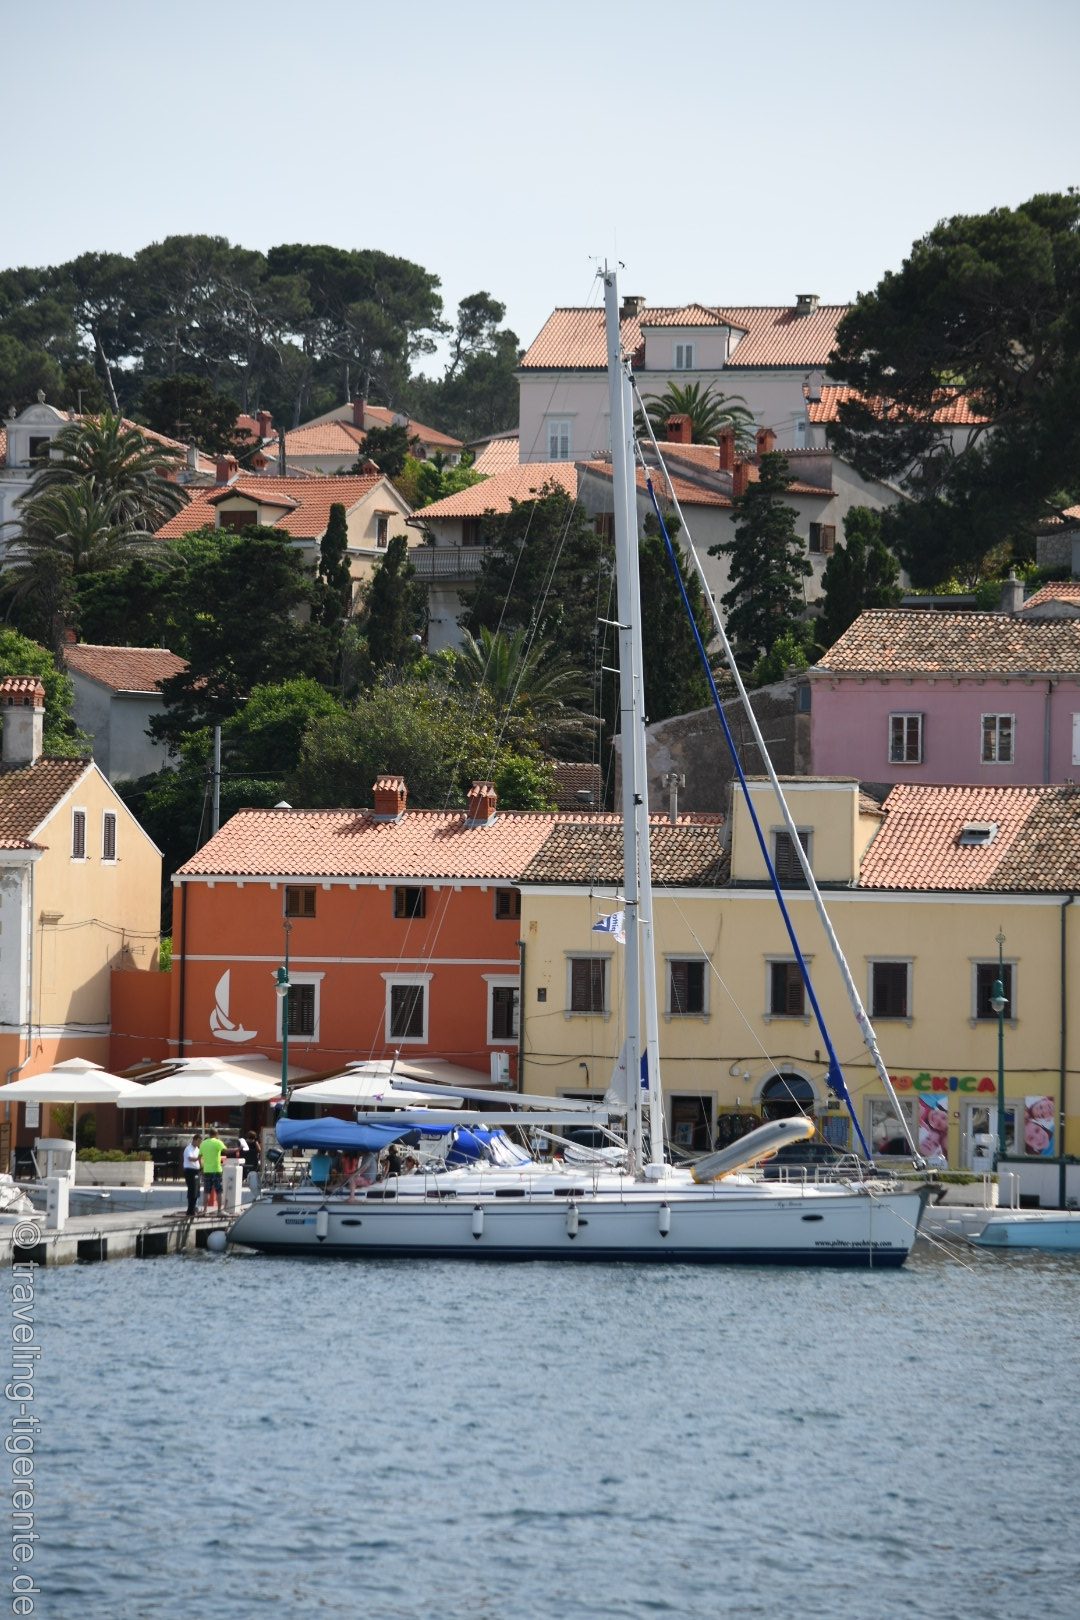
x,y
282,989
999,1001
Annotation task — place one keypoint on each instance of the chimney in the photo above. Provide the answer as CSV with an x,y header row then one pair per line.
x,y
358,414
480,809
725,449
266,423
22,705
390,795
1012,594
740,478
631,307
679,429
673,781
227,469
806,303
193,458
766,438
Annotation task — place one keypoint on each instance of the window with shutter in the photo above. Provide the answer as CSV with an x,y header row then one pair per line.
x,y
78,835
588,984
789,872
889,993
108,835
409,902
302,1009
686,988
299,902
407,1012
787,993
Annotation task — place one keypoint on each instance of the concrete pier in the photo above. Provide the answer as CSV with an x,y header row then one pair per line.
x,y
121,1236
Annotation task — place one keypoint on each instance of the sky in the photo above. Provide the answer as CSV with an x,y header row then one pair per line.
x,y
725,154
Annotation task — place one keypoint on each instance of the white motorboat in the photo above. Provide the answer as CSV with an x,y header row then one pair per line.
x,y
1051,1229
503,1204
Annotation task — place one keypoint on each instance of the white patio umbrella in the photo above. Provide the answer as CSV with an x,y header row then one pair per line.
x,y
361,1085
201,1085
74,1081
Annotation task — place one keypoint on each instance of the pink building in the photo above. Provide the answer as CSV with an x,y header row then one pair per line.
x,y
920,696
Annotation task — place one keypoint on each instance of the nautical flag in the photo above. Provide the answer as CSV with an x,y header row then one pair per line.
x,y
613,925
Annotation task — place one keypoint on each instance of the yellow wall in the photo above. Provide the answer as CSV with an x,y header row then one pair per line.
x,y
108,911
841,832
740,929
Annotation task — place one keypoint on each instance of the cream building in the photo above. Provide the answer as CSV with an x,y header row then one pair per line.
x,y
919,889
80,895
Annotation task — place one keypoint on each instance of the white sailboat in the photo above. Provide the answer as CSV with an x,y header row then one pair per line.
x,y
503,1204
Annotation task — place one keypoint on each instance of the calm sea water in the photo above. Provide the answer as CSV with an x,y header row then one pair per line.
x,y
241,1436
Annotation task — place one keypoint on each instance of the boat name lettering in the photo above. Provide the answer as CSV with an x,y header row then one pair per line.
x,y
942,1082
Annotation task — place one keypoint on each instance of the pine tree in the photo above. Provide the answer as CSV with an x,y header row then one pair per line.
x,y
861,573
768,563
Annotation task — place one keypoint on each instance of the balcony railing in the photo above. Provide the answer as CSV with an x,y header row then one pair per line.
x,y
447,562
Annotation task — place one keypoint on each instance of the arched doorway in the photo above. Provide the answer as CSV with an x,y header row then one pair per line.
x,y
786,1094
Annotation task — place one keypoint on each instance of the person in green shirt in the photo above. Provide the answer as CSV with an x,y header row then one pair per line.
x,y
211,1151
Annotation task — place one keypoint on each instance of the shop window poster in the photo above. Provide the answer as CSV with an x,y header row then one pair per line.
x,y
886,1131
1039,1127
934,1128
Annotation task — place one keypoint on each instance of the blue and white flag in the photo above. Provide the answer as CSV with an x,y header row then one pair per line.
x,y
613,925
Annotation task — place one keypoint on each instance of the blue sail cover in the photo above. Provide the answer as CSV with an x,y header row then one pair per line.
x,y
341,1135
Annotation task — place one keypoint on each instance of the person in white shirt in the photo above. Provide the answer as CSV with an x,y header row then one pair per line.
x,y
192,1167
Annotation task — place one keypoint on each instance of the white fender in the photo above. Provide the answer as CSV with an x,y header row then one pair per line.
x,y
664,1220
478,1221
572,1219
322,1222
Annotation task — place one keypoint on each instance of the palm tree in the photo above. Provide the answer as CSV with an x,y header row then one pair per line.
x,y
708,410
78,523
122,467
536,692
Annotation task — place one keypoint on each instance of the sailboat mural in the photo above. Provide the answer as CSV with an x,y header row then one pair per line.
x,y
221,1025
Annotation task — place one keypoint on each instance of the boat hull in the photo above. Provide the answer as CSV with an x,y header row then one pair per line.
x,y
1036,1229
819,1228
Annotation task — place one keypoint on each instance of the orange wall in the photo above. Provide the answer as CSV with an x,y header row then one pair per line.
x,y
352,940
140,1017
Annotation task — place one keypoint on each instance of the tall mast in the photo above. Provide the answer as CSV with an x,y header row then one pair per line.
x,y
625,511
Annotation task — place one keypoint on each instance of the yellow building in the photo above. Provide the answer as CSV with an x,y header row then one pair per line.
x,y
80,894
918,888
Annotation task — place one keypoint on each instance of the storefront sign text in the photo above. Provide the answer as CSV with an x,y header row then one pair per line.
x,y
942,1082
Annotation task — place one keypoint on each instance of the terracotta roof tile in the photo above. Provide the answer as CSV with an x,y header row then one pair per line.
x,y
954,413
498,455
352,843
1035,846
1062,590
124,669
917,641
521,482
687,492
572,778
306,503
28,793
380,416
773,335
589,850
320,439
1059,520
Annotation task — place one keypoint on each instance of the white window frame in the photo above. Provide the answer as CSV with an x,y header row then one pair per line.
x,y
393,980
294,979
106,817
588,956
503,981
682,356
1012,963
905,715
769,1015
561,430
76,811
996,757
670,1010
890,961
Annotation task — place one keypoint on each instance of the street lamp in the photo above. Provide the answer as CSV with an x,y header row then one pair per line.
x,y
282,989
999,1001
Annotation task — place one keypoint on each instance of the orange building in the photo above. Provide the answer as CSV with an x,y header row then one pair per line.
x,y
402,929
